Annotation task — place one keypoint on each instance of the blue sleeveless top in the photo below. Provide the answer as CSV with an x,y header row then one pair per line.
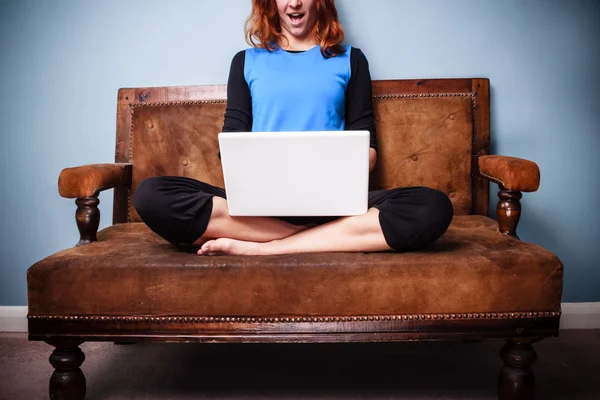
x,y
297,91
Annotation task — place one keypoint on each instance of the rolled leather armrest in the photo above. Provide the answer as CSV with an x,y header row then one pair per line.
x,y
512,173
89,180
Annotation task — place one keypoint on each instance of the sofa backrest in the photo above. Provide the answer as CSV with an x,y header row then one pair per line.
x,y
428,132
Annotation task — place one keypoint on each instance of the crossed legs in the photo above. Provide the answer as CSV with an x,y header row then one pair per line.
x,y
183,210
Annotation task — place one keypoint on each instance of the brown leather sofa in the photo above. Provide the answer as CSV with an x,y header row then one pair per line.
x,y
478,281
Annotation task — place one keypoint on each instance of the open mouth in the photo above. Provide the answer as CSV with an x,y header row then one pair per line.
x,y
296,18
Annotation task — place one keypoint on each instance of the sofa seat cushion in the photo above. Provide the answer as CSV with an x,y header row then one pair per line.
x,y
131,271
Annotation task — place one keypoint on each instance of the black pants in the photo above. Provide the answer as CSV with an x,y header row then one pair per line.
x,y
178,209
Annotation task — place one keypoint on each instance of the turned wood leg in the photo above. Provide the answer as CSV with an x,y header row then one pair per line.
x,y
88,219
516,381
67,382
508,211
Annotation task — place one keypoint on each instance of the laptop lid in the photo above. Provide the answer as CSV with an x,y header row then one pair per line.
x,y
296,173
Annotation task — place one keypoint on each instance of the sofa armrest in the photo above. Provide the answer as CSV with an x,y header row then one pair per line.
x,y
90,180
511,173
84,184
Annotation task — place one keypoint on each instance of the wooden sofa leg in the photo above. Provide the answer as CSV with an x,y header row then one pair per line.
x,y
67,382
516,381
87,217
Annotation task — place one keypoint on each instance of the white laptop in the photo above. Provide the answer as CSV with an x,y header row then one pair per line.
x,y
296,173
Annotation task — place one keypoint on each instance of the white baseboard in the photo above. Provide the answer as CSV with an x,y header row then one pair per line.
x,y
13,318
574,316
580,316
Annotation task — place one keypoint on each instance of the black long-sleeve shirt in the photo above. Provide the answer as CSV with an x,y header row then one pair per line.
x,y
358,108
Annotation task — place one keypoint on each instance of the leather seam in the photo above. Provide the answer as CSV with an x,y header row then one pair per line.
x,y
491,178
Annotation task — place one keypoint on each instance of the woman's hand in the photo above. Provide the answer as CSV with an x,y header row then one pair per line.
x,y
372,158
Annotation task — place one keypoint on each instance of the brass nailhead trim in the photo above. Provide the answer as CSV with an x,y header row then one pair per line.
x,y
473,122
411,317
176,103
425,95
131,106
130,161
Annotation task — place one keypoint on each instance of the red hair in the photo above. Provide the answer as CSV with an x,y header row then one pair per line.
x,y
263,28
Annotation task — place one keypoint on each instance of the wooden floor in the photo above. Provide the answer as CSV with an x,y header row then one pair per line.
x,y
568,368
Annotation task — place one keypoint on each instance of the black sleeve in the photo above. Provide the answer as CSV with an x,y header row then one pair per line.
x,y
238,114
359,107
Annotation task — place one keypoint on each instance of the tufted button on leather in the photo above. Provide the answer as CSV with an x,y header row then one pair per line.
x,y
452,117
185,163
415,158
150,125
452,195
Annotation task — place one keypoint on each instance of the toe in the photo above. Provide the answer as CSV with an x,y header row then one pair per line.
x,y
206,247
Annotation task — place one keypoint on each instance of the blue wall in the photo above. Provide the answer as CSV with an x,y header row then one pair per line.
x,y
62,62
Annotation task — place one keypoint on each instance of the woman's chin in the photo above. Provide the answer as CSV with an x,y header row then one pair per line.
x,y
299,33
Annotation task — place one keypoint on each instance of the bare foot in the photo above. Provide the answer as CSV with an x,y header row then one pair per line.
x,y
223,246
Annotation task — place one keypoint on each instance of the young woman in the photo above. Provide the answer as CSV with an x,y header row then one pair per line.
x,y
297,77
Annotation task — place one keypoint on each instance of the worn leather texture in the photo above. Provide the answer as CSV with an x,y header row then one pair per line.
x,y
426,141
512,173
423,141
131,271
177,140
89,180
